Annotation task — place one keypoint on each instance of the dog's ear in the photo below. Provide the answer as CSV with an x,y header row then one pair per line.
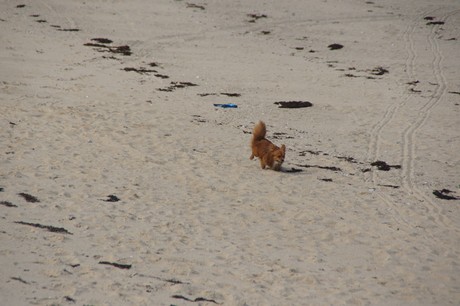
x,y
283,148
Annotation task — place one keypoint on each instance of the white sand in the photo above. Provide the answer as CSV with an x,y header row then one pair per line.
x,y
196,218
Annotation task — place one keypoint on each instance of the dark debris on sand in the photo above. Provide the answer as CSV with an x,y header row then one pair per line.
x,y
50,228
255,17
332,168
198,299
7,204
29,198
379,71
293,104
140,70
444,194
435,23
112,198
174,85
230,94
102,40
193,5
102,47
69,30
116,265
383,166
335,46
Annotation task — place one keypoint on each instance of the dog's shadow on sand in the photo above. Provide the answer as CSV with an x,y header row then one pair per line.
x,y
290,170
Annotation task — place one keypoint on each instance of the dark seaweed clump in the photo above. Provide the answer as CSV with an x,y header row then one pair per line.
x,y
383,166
116,265
444,194
335,46
29,198
293,104
50,228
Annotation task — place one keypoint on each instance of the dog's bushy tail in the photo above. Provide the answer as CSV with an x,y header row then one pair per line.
x,y
259,131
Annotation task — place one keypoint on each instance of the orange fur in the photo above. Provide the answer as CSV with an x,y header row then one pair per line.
x,y
269,154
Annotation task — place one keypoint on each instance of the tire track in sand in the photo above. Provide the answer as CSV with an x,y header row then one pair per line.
x,y
391,111
409,136
68,20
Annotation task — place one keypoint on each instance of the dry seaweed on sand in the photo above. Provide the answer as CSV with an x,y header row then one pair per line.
x,y
198,299
293,104
383,166
435,23
124,50
19,280
112,198
102,40
69,30
444,194
174,85
332,168
193,5
7,204
116,265
50,228
28,197
255,17
335,46
379,71
139,70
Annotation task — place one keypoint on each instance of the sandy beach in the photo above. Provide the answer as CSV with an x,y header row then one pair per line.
x,y
121,182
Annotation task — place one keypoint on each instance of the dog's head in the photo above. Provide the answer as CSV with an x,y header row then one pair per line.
x,y
278,157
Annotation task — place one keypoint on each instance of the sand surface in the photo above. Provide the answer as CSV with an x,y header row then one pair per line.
x,y
122,184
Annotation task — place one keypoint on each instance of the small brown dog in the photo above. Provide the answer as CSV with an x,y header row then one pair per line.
x,y
269,154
